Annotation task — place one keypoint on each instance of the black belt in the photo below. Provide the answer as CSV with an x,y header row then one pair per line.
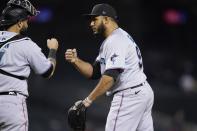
x,y
129,88
14,93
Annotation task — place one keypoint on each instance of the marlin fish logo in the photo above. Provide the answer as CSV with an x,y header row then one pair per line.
x,y
113,57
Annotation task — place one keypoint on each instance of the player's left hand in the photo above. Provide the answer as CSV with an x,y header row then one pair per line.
x,y
77,116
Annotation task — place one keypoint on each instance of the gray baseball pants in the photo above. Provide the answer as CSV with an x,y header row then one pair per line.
x,y
13,113
131,110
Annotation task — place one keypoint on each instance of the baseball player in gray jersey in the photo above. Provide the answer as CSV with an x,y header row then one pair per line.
x,y
19,54
120,69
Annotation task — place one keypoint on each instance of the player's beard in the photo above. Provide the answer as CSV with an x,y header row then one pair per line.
x,y
23,31
100,30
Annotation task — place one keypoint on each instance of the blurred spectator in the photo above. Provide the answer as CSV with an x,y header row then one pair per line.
x,y
187,81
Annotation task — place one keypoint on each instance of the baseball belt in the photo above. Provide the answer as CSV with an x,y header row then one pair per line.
x,y
14,93
130,88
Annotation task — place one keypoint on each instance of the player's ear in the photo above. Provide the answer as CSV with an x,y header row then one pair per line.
x,y
19,24
105,19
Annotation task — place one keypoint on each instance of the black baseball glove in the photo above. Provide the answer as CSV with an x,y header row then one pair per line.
x,y
77,116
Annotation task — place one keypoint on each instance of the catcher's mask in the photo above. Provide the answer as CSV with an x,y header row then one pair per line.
x,y
17,10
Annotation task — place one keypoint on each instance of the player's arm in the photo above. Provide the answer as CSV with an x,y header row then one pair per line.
x,y
106,82
38,61
52,45
83,67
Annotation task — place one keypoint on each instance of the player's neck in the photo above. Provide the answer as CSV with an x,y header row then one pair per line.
x,y
110,29
13,29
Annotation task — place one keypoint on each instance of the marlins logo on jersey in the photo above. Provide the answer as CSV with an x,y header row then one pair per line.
x,y
113,57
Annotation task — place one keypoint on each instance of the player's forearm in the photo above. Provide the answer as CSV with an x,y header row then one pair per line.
x,y
52,59
83,67
53,62
105,83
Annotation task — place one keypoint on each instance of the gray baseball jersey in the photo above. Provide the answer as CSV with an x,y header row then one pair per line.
x,y
18,57
119,51
131,108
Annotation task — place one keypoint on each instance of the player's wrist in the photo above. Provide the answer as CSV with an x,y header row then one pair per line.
x,y
87,102
52,53
54,48
75,60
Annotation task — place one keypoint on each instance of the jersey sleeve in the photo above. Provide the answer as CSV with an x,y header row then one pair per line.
x,y
36,59
115,53
97,58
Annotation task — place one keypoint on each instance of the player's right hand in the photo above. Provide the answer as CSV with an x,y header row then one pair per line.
x,y
71,55
52,43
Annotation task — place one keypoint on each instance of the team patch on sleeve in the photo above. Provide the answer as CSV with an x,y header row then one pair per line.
x,y
113,57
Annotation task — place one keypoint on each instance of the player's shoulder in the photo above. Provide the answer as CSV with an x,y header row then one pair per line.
x,y
20,39
24,42
118,38
113,38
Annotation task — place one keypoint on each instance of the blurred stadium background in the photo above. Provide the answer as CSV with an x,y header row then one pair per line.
x,y
166,32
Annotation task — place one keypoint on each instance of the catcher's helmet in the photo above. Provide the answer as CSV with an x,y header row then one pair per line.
x,y
17,10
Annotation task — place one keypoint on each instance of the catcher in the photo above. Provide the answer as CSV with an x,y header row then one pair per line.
x,y
19,55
